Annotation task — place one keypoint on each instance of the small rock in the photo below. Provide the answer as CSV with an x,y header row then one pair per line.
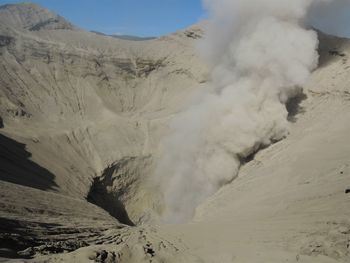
x,y
101,256
6,40
104,254
149,250
347,191
344,230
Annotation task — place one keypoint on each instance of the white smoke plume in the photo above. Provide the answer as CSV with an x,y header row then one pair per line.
x,y
259,53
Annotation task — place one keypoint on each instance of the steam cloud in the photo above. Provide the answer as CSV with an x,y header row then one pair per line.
x,y
260,54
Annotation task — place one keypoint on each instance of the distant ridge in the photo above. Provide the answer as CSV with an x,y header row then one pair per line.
x,y
125,37
32,17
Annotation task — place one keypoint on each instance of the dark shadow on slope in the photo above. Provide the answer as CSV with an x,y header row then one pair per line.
x,y
246,159
23,239
15,236
101,195
330,48
294,107
16,166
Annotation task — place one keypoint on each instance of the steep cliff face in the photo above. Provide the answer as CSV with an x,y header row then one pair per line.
x,y
81,114
82,102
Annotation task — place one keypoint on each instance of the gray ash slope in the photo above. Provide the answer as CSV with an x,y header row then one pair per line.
x,y
81,116
80,119
31,17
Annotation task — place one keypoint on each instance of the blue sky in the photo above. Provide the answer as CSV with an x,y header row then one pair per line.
x,y
160,17
133,17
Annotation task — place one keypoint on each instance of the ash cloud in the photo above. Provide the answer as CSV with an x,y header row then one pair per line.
x,y
260,54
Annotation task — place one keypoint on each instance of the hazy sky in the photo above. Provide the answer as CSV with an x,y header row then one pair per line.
x,y
333,18
160,17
